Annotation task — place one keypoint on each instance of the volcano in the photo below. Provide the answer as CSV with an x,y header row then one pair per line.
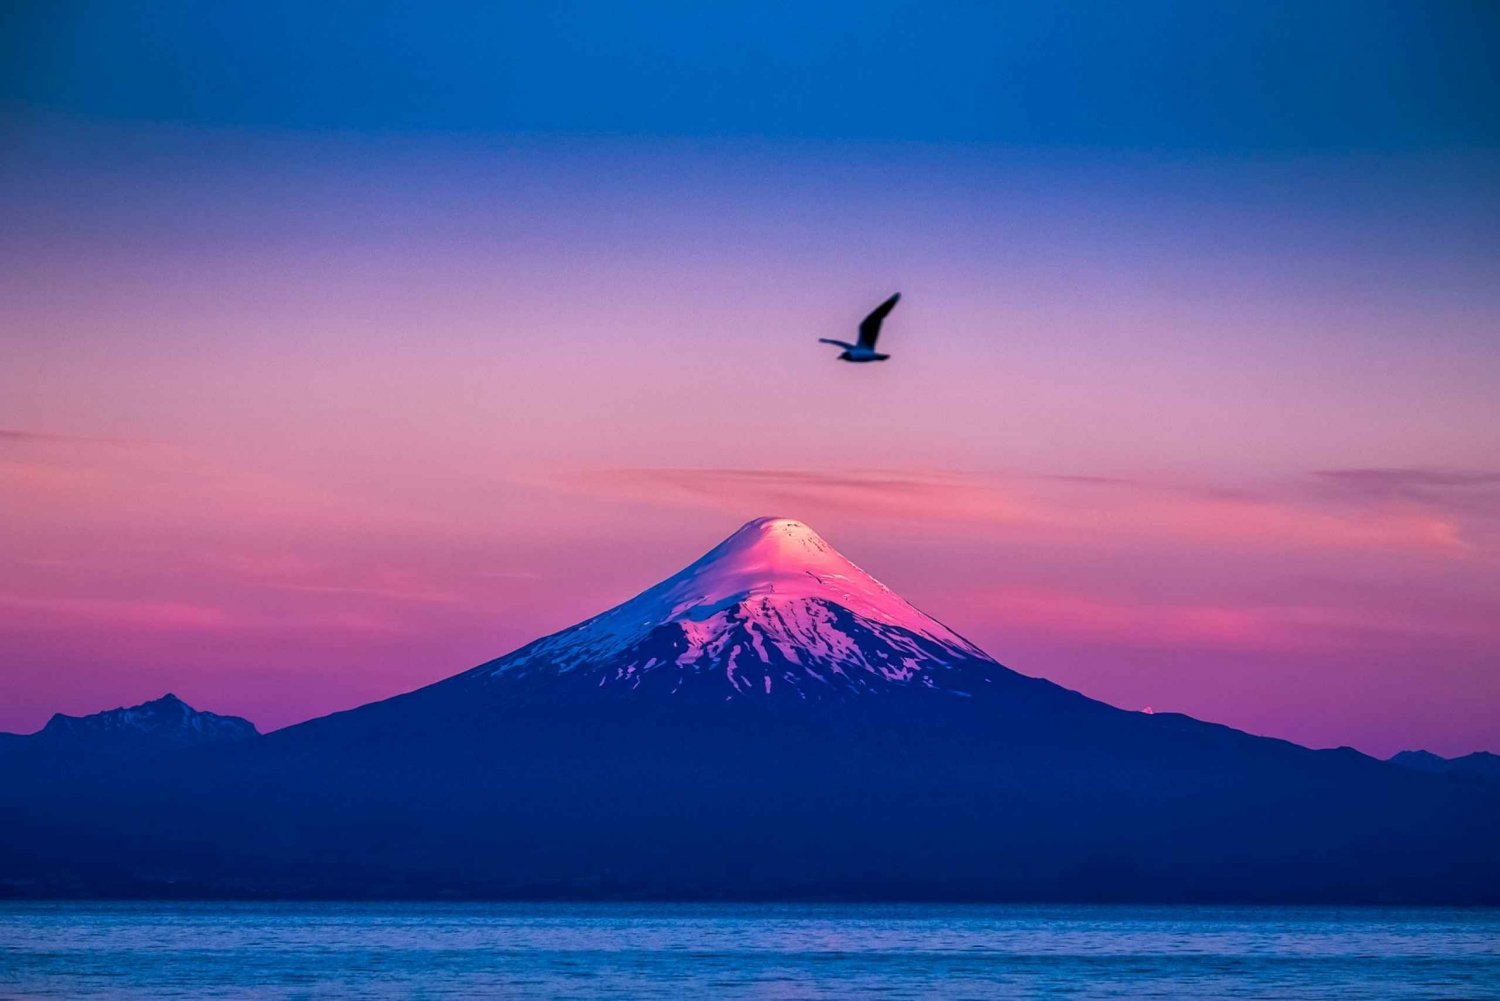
x,y
773,612
769,723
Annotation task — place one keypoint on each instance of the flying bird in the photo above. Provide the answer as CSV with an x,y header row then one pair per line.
x,y
869,329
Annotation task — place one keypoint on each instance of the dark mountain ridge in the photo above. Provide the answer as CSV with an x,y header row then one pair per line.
x,y
164,721
1480,765
771,723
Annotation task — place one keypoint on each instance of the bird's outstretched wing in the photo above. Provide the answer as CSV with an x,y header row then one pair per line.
x,y
843,344
869,327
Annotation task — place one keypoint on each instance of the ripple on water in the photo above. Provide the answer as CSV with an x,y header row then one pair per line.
x,y
152,950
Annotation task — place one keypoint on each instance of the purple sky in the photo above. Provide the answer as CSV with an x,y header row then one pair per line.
x,y
298,422
343,348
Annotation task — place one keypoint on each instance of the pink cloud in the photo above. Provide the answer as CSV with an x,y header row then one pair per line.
x,y
1145,622
1095,618
1411,482
174,616
872,494
420,594
1209,518
20,436
165,615
291,572
1068,509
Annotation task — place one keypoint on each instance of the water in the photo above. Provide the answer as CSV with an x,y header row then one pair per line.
x,y
301,950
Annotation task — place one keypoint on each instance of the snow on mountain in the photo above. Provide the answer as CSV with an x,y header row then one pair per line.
x,y
773,611
167,720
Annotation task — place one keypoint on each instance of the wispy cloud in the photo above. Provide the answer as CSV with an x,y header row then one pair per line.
x,y
1398,480
178,616
788,491
1073,508
1094,618
1144,621
419,594
152,482
283,571
21,436
1472,491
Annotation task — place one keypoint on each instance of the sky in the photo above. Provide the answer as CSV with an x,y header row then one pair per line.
x,y
346,346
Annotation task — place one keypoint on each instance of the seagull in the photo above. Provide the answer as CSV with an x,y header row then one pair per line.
x,y
869,329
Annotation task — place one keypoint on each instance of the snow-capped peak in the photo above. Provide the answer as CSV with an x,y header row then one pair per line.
x,y
773,608
779,559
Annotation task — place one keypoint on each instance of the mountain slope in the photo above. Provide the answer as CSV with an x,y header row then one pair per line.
x,y
772,612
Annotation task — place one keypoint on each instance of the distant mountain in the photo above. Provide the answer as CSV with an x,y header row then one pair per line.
x,y
1480,765
164,722
769,723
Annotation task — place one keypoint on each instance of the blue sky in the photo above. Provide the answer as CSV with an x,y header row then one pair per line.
x,y
1206,77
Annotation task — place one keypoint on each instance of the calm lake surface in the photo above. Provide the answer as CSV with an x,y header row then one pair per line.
x,y
151,950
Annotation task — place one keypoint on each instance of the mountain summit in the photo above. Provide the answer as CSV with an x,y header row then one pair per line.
x,y
773,611
164,721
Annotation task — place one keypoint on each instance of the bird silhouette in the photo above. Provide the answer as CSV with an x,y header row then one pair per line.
x,y
869,329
